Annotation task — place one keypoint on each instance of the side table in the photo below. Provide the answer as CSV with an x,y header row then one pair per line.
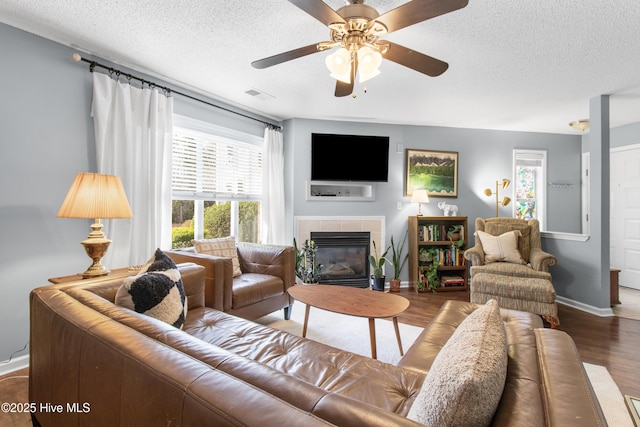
x,y
613,284
115,273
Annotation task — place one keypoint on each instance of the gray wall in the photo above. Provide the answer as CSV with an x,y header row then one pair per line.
x,y
45,129
484,157
619,137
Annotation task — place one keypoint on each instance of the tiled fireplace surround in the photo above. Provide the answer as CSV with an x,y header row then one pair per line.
x,y
375,225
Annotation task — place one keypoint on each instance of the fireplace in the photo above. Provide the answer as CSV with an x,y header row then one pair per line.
x,y
344,256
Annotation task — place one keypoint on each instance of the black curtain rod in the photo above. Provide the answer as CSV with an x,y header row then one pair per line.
x,y
93,64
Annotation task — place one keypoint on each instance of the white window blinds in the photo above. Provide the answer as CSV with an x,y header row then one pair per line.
x,y
529,158
216,164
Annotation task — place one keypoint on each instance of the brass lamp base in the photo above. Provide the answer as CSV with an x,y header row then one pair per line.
x,y
96,246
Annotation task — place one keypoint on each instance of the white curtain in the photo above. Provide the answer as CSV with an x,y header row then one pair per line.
x,y
273,221
133,131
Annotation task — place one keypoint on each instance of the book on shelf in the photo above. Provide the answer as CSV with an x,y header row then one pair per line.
x,y
449,257
435,232
448,281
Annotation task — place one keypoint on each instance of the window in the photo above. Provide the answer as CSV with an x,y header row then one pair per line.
x,y
216,183
530,171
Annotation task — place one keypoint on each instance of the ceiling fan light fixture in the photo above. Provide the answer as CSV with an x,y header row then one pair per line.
x,y
368,63
363,77
580,124
339,64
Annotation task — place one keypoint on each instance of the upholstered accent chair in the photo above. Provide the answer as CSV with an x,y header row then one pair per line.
x,y
536,261
511,267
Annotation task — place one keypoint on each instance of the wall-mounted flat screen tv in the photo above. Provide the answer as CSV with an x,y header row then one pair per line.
x,y
349,157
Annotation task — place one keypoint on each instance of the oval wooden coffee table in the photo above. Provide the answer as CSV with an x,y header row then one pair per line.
x,y
351,301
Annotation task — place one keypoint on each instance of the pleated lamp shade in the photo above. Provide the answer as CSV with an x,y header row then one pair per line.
x,y
94,195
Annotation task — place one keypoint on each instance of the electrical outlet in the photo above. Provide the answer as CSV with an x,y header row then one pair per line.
x,y
399,206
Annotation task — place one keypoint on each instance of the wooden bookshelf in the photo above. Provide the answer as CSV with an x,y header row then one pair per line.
x,y
431,232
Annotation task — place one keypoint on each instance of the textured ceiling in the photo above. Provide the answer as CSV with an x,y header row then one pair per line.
x,y
513,65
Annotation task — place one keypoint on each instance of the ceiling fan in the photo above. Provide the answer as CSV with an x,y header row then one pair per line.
x,y
356,28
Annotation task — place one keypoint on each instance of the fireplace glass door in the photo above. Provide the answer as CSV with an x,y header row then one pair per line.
x,y
344,257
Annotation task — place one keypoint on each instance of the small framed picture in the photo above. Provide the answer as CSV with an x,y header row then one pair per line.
x,y
435,171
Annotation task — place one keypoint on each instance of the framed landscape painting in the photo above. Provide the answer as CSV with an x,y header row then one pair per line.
x,y
435,171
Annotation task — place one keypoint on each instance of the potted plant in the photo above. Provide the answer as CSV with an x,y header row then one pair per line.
x,y
397,261
429,271
377,263
455,235
307,268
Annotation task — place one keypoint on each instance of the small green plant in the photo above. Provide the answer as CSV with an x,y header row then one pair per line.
x,y
398,261
455,232
307,268
377,263
430,270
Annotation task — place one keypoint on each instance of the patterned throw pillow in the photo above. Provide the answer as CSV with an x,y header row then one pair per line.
x,y
466,380
225,247
502,248
157,291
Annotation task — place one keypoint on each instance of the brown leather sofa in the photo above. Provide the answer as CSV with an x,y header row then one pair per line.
x,y
109,366
267,272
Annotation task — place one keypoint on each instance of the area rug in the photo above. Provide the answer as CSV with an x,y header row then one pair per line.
x,y
629,307
609,395
345,332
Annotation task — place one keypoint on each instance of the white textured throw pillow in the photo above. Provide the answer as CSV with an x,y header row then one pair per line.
x,y
225,246
502,248
466,380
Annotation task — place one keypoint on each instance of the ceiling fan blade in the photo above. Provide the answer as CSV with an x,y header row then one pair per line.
x,y
417,11
346,89
415,60
285,56
343,89
319,10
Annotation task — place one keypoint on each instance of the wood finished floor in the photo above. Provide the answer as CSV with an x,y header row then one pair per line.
x,y
613,342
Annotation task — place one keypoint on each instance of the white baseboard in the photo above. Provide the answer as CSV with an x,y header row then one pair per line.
x,y
601,312
15,364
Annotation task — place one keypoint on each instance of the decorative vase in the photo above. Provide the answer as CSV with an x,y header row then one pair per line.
x,y
377,283
394,285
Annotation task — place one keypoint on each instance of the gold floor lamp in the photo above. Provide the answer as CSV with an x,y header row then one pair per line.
x,y
505,200
94,195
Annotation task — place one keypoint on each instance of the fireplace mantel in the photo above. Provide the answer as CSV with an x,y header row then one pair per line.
x,y
375,225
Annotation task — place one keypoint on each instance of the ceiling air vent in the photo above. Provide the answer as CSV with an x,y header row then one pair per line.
x,y
259,94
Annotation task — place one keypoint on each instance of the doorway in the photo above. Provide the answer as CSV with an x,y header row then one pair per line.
x,y
625,214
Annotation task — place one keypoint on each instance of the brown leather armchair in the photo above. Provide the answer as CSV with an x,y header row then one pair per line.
x,y
267,272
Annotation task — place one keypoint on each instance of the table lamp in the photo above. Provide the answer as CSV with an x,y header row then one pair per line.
x,y
420,197
94,195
